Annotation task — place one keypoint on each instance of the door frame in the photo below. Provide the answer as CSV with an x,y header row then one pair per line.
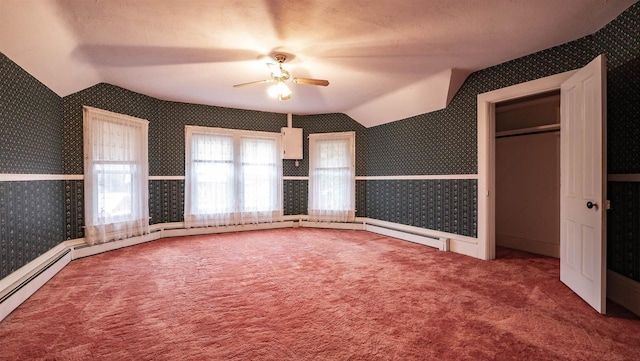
x,y
487,152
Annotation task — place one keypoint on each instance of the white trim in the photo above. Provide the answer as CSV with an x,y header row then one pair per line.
x,y
166,177
30,267
457,243
419,177
138,121
84,251
74,242
356,226
197,129
399,177
623,177
296,218
529,103
486,151
623,291
439,243
7,177
164,226
529,245
531,130
9,283
225,229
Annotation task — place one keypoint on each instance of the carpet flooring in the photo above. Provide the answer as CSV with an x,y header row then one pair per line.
x,y
311,294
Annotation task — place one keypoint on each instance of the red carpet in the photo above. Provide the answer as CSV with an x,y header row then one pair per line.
x,y
310,294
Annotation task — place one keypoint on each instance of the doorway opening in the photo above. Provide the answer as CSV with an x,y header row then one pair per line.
x,y
486,151
527,174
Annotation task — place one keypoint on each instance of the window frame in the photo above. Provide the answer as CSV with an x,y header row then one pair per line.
x,y
238,214
315,212
100,228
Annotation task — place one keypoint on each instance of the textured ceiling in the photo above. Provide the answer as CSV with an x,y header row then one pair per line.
x,y
385,60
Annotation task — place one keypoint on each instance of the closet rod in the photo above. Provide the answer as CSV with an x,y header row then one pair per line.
x,y
528,131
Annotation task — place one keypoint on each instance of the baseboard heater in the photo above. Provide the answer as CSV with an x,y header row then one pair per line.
x,y
23,288
441,243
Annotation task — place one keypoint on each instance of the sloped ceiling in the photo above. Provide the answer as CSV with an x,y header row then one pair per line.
x,y
385,60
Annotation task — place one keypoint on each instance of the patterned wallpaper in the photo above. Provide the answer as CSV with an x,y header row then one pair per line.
x,y
103,96
31,221
74,209
30,123
620,41
623,229
327,123
166,132
444,141
31,213
166,201
295,197
444,205
43,134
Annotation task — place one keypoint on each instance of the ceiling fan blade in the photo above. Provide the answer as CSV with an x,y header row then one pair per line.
x,y
254,82
308,81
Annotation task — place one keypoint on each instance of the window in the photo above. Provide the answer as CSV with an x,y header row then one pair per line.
x,y
116,176
232,177
332,177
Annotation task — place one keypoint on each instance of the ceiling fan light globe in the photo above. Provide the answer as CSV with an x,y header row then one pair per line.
x,y
273,91
283,89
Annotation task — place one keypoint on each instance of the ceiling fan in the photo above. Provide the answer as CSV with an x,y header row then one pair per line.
x,y
279,76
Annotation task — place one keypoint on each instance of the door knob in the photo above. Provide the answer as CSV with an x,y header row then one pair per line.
x,y
591,205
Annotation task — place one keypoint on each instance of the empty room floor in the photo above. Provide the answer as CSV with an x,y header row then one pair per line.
x,y
305,294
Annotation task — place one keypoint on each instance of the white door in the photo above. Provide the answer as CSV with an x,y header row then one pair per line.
x,y
583,184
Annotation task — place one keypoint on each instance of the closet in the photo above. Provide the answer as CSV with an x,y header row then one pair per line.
x,y
528,174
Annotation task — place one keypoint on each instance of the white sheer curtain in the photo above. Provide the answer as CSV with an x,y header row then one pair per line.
x,y
232,177
332,177
115,176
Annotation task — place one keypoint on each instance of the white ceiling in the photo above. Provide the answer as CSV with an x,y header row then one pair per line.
x,y
385,60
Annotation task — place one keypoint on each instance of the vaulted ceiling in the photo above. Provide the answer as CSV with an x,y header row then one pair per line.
x,y
385,60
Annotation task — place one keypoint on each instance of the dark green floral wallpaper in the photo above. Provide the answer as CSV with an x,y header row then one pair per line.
x,y
444,142
623,229
620,40
327,123
30,123
166,201
31,213
31,221
166,132
103,96
444,205
42,133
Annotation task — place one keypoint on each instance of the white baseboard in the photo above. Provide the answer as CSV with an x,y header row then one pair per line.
x,y
528,245
20,285
623,291
457,243
333,225
85,250
439,243
225,229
